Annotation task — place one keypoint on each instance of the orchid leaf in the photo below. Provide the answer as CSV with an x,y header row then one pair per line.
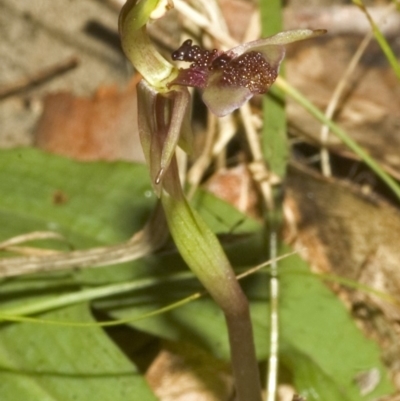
x,y
54,363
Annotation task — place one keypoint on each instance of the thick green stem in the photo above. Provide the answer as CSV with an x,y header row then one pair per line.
x,y
201,250
244,362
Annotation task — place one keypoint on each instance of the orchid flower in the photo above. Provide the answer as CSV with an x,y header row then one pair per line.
x,y
227,80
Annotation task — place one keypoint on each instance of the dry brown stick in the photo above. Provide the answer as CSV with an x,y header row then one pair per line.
x,y
38,77
151,238
342,19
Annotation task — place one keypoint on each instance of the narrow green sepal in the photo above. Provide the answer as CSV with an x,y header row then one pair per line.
x,y
161,129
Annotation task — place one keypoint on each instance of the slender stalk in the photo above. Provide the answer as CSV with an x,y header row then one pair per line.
x,y
380,38
273,361
276,150
245,369
201,250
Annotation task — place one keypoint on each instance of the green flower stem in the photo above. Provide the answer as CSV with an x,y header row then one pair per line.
x,y
202,252
162,122
196,243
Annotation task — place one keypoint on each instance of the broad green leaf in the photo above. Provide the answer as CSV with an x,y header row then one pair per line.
x,y
103,202
320,344
324,339
53,363
221,216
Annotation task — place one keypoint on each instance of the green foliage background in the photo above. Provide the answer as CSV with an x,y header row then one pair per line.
x,y
106,203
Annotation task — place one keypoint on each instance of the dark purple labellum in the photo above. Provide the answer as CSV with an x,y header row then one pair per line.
x,y
230,78
249,70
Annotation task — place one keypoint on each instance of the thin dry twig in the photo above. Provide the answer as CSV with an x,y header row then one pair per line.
x,y
14,244
196,172
201,21
146,241
337,94
33,236
257,167
334,101
39,77
342,19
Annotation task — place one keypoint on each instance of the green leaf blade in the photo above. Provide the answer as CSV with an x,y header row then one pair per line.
x,y
51,363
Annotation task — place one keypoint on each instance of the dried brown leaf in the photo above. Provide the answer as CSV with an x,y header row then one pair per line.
x,y
102,127
182,372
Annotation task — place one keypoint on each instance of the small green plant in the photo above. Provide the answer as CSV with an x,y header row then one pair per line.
x,y
52,346
227,80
